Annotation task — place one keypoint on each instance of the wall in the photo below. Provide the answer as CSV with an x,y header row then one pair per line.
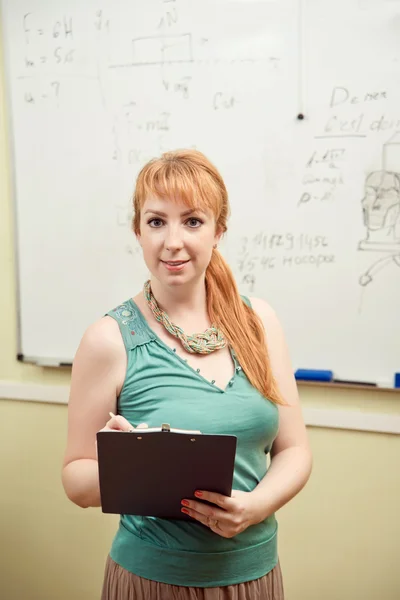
x,y
339,539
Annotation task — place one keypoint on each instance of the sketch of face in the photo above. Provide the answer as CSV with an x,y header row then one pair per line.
x,y
381,203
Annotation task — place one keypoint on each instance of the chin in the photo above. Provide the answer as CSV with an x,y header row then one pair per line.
x,y
175,283
177,279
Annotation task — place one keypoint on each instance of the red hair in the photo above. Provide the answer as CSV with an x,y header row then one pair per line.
x,y
191,177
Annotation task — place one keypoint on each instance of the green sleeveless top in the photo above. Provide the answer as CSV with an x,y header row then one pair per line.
x,y
161,387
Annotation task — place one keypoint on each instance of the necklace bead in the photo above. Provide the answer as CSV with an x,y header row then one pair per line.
x,y
201,343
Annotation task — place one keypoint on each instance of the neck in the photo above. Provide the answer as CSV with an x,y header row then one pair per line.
x,y
181,300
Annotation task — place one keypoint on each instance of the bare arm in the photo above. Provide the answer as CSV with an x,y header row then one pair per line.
x,y
97,375
291,462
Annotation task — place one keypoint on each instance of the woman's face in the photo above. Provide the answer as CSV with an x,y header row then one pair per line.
x,y
177,241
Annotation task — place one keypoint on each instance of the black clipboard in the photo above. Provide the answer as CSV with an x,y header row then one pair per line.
x,y
149,472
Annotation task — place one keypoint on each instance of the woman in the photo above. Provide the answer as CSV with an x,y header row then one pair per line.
x,y
143,361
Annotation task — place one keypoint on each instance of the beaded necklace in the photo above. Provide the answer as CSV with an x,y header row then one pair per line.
x,y
201,343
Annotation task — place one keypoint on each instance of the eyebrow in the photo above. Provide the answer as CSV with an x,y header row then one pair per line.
x,y
162,214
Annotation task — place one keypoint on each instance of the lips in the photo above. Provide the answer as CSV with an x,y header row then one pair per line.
x,y
174,263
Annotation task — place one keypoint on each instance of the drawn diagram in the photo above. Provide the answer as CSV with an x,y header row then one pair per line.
x,y
381,211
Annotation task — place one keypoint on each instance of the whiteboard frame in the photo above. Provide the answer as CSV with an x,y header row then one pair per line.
x,y
10,146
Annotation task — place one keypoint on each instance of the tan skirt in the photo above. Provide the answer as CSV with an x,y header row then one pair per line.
x,y
120,584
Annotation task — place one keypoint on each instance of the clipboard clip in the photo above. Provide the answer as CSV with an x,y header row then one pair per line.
x,y
166,427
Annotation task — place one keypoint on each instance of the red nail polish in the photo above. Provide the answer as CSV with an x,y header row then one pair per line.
x,y
185,510
185,503
198,494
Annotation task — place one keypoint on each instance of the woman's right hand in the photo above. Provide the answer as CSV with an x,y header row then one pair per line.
x,y
119,423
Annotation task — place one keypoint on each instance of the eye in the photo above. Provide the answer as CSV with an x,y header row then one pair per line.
x,y
193,222
156,223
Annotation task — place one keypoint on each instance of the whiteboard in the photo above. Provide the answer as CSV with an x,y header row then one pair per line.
x,y
96,89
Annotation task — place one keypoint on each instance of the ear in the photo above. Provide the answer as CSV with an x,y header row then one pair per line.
x,y
218,235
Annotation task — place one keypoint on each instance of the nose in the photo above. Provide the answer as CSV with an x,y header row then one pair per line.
x,y
376,205
173,240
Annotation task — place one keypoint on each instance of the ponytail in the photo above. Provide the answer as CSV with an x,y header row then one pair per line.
x,y
241,326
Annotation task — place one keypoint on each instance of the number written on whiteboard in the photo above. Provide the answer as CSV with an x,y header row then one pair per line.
x,y
268,252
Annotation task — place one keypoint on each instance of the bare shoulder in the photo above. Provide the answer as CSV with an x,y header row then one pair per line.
x,y
273,329
101,351
265,311
103,338
274,333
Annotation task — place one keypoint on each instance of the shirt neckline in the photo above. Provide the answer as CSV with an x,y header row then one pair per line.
x,y
161,343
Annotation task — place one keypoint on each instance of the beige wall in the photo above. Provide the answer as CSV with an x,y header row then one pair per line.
x,y
339,539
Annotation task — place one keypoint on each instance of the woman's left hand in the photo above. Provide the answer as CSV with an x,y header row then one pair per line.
x,y
231,515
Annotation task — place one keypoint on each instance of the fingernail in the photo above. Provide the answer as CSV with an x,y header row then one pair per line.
x,y
111,414
185,503
198,494
185,510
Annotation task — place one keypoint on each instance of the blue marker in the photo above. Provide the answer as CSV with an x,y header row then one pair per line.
x,y
397,380
314,375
